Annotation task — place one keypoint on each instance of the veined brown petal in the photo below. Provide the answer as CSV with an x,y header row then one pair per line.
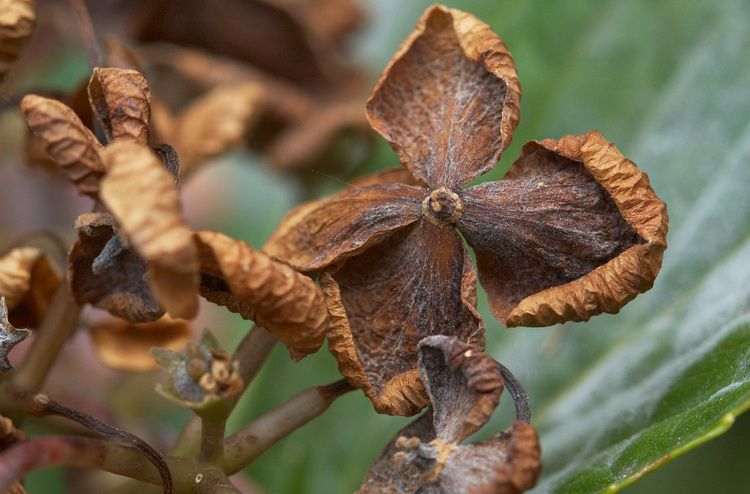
x,y
463,383
288,304
418,282
320,233
142,195
121,287
71,145
575,230
448,100
121,100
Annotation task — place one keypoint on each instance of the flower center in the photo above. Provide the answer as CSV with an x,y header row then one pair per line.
x,y
442,207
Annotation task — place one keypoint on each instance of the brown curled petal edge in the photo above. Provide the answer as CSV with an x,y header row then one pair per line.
x,y
246,281
122,102
404,394
610,286
17,22
448,102
70,144
142,195
28,280
320,233
121,288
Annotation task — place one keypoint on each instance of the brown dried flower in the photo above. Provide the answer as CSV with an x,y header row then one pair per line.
x,y
17,21
143,232
464,387
574,230
28,280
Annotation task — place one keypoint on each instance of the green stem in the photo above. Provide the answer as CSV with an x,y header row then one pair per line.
x,y
212,434
248,443
251,353
58,326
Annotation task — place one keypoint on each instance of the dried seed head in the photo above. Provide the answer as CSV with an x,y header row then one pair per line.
x,y
442,207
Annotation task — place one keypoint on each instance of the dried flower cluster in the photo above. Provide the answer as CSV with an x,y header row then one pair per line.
x,y
380,269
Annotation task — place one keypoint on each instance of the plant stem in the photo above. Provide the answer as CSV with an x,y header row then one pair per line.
x,y
212,434
244,446
84,19
58,325
251,353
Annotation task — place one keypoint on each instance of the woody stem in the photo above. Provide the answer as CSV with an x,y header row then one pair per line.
x,y
248,443
57,327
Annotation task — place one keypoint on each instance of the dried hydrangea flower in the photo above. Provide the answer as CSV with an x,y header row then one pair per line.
x,y
427,456
28,281
573,230
142,236
17,22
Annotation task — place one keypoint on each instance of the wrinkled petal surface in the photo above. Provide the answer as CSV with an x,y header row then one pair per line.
x,y
28,280
320,233
565,220
142,195
121,100
17,22
285,302
448,100
418,282
71,145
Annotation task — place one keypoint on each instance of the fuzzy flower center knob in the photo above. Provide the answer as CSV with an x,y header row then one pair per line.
x,y
442,207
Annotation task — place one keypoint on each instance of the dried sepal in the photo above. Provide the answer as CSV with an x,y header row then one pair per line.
x,y
17,22
214,123
28,280
120,285
611,285
142,195
426,456
70,143
9,337
125,346
448,101
259,288
202,378
121,100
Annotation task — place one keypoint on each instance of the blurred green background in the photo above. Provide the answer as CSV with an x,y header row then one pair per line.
x,y
669,83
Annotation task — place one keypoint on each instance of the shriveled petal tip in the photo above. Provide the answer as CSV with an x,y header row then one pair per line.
x,y
448,102
28,280
125,346
143,197
17,22
610,286
121,100
215,123
71,145
106,274
285,302
463,383
320,233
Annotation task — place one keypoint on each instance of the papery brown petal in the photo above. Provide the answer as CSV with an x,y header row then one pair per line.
x,y
463,383
28,280
611,285
508,463
216,122
122,102
285,302
122,289
125,346
385,476
418,282
69,143
143,197
448,100
17,22
320,233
